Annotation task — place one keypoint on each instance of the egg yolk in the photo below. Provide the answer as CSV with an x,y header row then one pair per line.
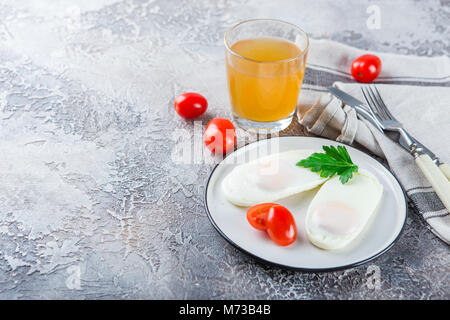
x,y
271,175
336,218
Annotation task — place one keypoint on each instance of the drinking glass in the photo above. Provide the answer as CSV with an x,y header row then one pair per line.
x,y
265,61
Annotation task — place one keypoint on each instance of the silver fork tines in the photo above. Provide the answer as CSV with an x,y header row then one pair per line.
x,y
383,116
379,108
383,106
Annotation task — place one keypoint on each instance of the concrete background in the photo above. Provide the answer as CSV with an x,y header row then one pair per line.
x,y
92,205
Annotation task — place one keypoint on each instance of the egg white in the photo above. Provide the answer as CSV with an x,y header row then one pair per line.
x,y
269,179
362,193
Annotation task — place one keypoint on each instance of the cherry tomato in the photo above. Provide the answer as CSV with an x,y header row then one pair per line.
x,y
257,215
281,225
190,105
220,136
366,68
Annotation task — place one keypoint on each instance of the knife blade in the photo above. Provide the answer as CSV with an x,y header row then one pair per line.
x,y
356,104
345,97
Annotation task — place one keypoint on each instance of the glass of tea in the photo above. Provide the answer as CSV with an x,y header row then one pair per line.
x,y
265,66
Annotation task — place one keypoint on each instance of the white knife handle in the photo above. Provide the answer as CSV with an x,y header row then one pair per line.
x,y
436,178
445,168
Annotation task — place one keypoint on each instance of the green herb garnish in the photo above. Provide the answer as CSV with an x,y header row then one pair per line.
x,y
335,161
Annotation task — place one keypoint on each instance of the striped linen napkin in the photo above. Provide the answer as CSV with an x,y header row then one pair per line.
x,y
417,92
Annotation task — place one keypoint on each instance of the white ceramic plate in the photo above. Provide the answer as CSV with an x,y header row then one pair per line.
x,y
231,222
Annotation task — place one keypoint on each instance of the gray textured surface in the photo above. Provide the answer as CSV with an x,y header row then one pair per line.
x,y
91,203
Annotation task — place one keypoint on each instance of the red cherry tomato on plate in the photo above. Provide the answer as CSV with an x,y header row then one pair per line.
x,y
366,68
257,215
190,105
220,136
281,225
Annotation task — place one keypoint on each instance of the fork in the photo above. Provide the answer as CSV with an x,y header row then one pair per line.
x,y
373,97
388,122
384,117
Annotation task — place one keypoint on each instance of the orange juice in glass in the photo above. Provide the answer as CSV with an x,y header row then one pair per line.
x,y
265,67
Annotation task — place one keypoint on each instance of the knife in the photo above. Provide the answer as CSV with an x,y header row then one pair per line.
x,y
361,108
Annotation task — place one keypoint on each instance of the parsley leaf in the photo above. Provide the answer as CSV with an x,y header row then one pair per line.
x,y
335,161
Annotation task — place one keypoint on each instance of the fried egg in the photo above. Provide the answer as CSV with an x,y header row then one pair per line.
x,y
339,212
269,179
